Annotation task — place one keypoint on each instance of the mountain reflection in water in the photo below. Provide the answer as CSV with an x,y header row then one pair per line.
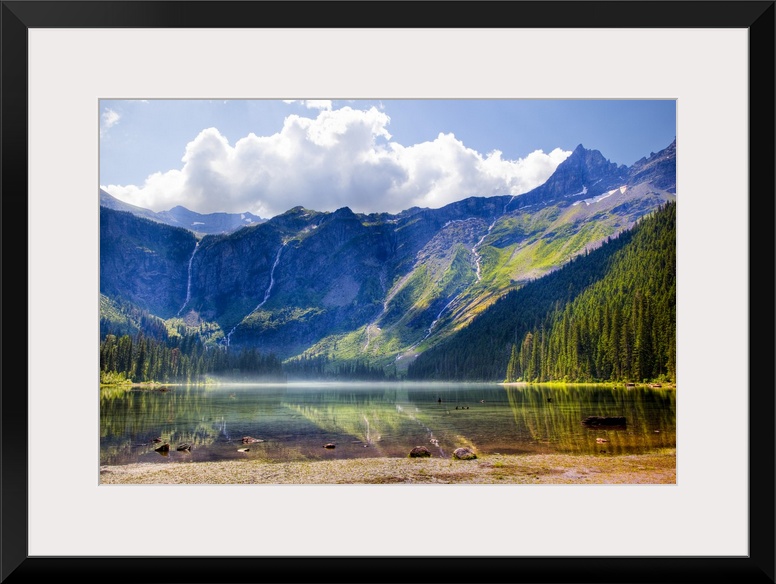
x,y
295,421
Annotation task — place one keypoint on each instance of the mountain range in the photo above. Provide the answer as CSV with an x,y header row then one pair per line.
x,y
200,224
378,288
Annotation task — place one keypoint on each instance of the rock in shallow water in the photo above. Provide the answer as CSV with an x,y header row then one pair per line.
x,y
604,421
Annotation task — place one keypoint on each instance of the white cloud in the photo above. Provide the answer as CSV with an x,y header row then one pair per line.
x,y
108,119
319,104
343,157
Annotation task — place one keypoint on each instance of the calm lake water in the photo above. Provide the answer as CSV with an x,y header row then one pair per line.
x,y
294,421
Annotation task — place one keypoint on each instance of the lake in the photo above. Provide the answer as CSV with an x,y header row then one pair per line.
x,y
294,421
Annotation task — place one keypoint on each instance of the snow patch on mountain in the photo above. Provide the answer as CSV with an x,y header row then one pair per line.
x,y
592,200
582,192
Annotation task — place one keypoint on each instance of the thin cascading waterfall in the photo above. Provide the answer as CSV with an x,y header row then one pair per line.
x,y
228,338
430,329
436,320
271,280
266,294
188,283
398,287
394,290
477,262
458,296
477,256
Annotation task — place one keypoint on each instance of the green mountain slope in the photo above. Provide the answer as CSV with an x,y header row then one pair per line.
x,y
607,315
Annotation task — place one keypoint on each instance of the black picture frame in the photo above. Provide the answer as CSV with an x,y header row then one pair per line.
x,y
755,16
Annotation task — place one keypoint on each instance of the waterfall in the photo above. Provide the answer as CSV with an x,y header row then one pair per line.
x,y
188,283
392,292
477,262
271,281
266,294
441,312
478,257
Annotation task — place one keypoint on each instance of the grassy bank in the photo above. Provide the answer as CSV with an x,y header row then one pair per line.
x,y
653,468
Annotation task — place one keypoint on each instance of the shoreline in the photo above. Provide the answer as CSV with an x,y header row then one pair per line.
x,y
658,467
156,385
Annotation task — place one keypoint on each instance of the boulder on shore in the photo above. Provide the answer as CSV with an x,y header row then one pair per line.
x,y
419,452
464,454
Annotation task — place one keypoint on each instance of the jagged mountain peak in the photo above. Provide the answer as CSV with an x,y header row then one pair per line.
x,y
584,173
581,156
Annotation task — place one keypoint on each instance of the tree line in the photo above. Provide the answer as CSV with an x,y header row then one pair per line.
x,y
321,367
140,358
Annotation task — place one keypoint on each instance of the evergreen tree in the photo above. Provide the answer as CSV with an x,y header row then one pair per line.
x,y
514,366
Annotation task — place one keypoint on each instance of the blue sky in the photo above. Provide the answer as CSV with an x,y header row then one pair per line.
x,y
266,156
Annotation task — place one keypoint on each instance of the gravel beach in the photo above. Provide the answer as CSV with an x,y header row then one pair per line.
x,y
653,468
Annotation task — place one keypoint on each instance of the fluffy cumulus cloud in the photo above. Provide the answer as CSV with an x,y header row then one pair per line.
x,y
343,157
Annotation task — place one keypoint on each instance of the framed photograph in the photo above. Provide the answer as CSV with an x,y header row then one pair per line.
x,y
93,92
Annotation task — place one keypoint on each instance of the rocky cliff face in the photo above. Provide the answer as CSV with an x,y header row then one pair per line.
x,y
658,169
144,261
305,275
380,287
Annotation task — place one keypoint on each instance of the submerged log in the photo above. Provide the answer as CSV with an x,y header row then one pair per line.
x,y
604,421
